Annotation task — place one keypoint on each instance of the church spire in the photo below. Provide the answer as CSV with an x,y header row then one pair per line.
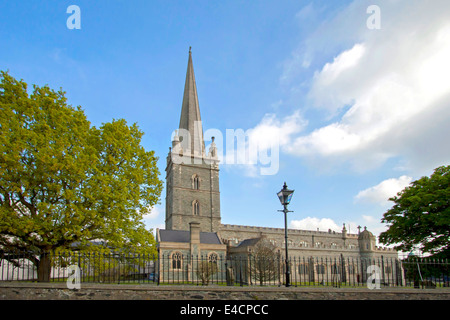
x,y
190,120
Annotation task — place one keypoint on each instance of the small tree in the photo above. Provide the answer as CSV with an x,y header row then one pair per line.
x,y
205,270
264,265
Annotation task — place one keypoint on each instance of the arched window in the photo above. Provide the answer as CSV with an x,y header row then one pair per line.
x,y
196,208
213,258
176,260
195,182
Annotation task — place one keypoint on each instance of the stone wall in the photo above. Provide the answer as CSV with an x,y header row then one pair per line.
x,y
21,291
303,243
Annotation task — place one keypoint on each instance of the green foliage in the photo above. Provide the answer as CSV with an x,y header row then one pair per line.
x,y
64,181
421,215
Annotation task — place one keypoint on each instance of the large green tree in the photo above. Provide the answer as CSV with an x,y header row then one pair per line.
x,y
64,181
420,217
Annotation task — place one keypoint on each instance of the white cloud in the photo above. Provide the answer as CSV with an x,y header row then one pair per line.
x,y
369,219
153,214
332,72
388,91
271,131
380,193
255,152
314,224
327,140
152,220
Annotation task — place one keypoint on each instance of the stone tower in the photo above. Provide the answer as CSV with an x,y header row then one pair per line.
x,y
367,244
192,174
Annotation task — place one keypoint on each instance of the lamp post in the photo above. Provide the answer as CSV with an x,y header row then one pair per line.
x,y
285,196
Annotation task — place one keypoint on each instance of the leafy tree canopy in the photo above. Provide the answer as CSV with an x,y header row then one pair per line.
x,y
64,181
420,217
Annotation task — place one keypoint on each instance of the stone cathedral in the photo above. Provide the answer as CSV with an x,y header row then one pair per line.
x,y
193,218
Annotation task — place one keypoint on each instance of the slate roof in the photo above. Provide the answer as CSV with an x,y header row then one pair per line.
x,y
184,236
248,242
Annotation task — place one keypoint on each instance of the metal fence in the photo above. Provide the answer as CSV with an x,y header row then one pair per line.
x,y
94,267
304,271
119,268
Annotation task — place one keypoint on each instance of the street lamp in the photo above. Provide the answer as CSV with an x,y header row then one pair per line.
x,y
285,196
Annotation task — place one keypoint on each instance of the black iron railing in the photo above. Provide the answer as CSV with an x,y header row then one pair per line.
x,y
133,268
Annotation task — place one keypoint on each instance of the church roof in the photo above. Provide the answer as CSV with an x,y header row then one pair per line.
x,y
248,242
184,236
190,119
366,234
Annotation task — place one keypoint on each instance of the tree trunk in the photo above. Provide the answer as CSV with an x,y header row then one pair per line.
x,y
44,267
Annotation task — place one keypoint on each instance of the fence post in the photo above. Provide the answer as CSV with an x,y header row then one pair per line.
x,y
159,268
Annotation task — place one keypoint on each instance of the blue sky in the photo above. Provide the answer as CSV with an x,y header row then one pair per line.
x,y
357,112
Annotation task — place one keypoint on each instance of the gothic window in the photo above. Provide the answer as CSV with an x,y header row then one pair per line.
x,y
176,260
196,208
213,258
290,243
195,182
303,244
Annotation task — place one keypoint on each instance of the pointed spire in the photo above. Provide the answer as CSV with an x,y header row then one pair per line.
x,y
190,120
